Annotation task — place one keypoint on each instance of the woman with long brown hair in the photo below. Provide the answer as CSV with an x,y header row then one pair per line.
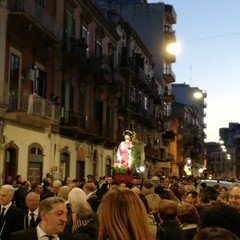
x,y
122,216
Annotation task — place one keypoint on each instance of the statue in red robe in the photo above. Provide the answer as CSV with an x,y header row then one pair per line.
x,y
124,149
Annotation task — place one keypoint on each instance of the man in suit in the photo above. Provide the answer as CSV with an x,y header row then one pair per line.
x,y
55,187
20,195
47,191
53,214
30,217
37,188
9,214
91,197
105,187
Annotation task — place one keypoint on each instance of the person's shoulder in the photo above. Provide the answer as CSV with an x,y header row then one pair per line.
x,y
15,209
24,233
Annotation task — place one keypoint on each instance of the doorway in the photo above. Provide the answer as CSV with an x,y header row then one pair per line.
x,y
11,162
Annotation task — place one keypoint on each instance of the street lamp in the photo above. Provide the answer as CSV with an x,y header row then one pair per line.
x,y
141,169
173,48
198,95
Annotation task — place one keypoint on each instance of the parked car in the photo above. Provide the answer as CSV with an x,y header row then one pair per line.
x,y
212,183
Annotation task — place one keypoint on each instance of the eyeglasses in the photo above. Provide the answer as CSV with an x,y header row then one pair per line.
x,y
236,197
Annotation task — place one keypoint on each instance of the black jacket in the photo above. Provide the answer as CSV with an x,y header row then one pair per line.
x,y
170,230
9,223
86,232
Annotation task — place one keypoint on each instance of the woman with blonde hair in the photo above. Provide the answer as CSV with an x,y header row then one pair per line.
x,y
122,216
154,202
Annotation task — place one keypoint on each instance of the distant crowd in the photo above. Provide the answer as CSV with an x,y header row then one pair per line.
x,y
145,209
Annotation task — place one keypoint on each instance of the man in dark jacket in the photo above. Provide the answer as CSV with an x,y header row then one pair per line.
x,y
169,228
53,214
91,196
82,223
30,217
9,214
47,191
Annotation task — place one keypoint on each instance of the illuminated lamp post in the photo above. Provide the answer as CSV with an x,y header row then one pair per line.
x,y
198,95
173,48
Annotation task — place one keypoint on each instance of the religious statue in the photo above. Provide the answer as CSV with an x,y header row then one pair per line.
x,y
124,149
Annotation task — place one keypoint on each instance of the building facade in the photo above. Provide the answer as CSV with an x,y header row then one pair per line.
x,y
72,80
154,24
189,117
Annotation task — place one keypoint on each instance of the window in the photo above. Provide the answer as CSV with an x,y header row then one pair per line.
x,y
94,164
39,83
109,117
85,35
42,3
14,81
82,102
35,162
133,94
140,97
98,50
69,27
108,167
145,103
36,151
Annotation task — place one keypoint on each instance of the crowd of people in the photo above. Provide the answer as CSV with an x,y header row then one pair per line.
x,y
147,209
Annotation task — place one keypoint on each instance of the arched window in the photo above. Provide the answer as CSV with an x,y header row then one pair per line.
x,y
64,164
108,170
94,163
35,162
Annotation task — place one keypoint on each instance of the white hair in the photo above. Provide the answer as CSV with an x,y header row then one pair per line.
x,y
76,196
57,183
8,187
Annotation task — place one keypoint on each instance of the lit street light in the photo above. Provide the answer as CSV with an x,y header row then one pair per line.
x,y
198,95
173,48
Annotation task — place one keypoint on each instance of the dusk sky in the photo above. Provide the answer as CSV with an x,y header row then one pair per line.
x,y
209,34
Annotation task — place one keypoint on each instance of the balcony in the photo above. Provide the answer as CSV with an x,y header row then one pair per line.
x,y
170,14
168,97
26,13
169,136
146,82
169,34
85,128
152,153
169,75
106,73
167,118
34,110
126,66
115,86
36,105
74,51
169,57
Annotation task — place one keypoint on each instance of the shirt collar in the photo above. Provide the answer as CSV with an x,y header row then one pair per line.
x,y
35,212
89,194
41,233
6,206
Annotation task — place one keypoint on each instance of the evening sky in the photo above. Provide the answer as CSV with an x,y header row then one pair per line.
x,y
209,34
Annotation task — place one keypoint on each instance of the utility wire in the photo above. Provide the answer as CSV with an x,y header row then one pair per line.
x,y
212,37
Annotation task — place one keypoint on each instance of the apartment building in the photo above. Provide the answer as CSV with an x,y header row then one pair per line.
x,y
154,24
189,113
72,80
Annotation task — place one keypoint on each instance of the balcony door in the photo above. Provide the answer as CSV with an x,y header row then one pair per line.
x,y
14,81
35,163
